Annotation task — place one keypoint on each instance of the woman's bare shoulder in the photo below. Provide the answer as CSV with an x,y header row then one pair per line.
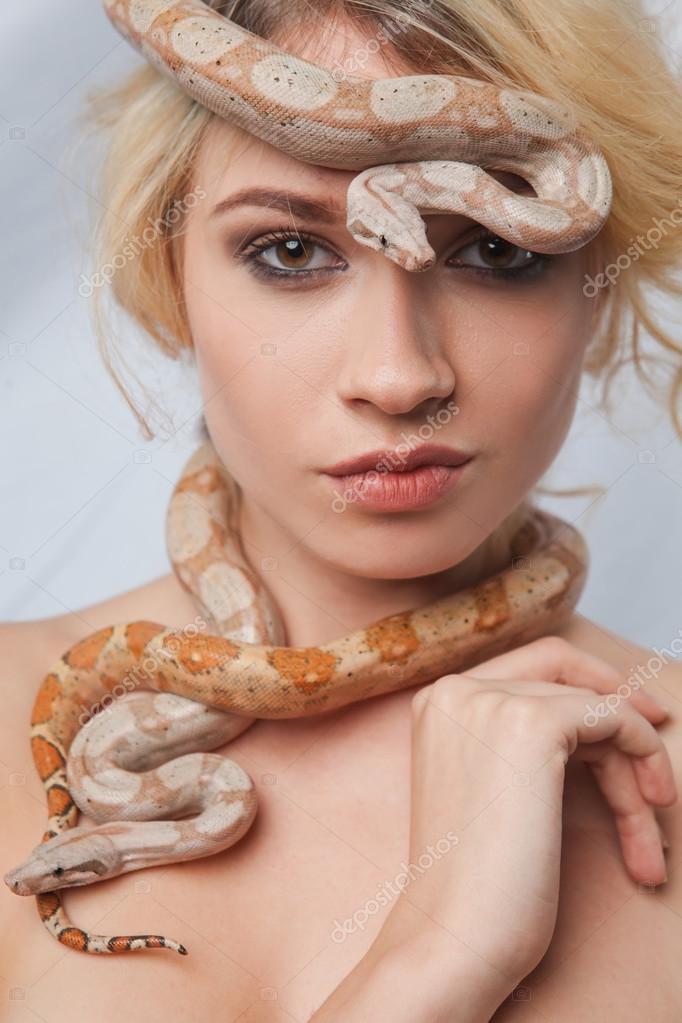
x,y
33,646
29,648
657,670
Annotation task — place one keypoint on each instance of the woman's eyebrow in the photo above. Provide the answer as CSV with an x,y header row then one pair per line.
x,y
326,211
298,205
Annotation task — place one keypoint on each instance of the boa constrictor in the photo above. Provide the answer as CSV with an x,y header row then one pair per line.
x,y
183,691
455,128
199,691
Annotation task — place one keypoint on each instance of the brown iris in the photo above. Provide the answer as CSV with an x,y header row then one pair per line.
x,y
292,252
498,252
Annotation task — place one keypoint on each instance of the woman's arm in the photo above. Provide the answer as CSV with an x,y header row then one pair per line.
x,y
416,974
466,931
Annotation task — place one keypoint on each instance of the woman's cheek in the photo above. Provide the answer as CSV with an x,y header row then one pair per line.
x,y
532,396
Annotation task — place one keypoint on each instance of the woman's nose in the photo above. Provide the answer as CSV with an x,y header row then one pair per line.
x,y
396,349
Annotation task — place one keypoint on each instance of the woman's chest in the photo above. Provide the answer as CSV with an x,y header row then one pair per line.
x,y
274,923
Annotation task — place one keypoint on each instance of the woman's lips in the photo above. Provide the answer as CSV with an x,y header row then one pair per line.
x,y
397,491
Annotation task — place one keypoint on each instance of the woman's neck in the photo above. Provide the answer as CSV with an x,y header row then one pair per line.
x,y
319,603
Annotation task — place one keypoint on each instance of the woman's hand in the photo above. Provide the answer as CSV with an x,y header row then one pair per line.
x,y
489,750
552,659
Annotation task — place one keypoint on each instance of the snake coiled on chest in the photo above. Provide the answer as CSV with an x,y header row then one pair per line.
x,y
124,722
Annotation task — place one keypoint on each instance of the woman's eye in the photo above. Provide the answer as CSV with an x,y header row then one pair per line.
x,y
289,254
497,255
285,255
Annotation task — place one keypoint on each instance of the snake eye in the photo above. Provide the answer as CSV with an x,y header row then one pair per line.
x,y
58,871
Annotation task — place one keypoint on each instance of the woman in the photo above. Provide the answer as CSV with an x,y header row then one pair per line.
x,y
311,349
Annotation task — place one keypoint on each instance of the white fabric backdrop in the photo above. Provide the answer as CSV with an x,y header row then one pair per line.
x,y
83,497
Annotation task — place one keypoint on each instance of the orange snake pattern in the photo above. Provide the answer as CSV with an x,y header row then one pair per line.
x,y
202,690
229,682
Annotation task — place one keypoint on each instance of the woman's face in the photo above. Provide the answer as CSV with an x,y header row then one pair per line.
x,y
313,353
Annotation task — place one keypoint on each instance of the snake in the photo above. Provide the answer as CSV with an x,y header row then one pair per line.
x,y
123,723
444,132
137,760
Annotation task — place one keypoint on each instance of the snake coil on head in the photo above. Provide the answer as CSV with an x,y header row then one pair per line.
x,y
195,691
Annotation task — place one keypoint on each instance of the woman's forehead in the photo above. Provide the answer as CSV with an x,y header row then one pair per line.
x,y
229,156
232,158
341,43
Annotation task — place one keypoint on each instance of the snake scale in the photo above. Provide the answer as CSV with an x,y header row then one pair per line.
x,y
123,723
197,691
444,129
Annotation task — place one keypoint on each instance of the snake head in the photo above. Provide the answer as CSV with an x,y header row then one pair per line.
x,y
76,857
381,217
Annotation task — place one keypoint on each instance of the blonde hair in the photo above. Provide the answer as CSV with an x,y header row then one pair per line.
x,y
602,58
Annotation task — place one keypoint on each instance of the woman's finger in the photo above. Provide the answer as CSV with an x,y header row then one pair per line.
x,y
553,659
631,766
631,733
654,774
635,818
653,770
628,758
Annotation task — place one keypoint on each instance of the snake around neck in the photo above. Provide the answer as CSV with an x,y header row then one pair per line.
x,y
123,722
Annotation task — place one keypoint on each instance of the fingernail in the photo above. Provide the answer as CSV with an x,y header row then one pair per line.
x,y
663,706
